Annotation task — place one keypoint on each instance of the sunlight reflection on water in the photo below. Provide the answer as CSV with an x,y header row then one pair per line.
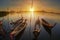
x,y
51,18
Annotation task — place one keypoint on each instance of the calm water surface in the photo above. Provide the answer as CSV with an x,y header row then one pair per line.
x,y
28,33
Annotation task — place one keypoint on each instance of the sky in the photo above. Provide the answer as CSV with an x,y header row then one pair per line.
x,y
48,5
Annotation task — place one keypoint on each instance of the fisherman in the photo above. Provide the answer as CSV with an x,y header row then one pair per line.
x,y
37,23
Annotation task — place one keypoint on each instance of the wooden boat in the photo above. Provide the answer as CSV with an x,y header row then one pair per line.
x,y
47,26
35,27
18,30
19,26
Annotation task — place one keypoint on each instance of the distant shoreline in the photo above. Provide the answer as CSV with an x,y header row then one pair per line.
x,y
4,13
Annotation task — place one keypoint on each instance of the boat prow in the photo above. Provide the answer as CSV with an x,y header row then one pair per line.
x,y
46,24
36,34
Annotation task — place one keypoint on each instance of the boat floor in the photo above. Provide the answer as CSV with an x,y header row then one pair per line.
x,y
37,31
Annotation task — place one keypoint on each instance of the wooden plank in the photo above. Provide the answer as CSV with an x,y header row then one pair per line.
x,y
18,30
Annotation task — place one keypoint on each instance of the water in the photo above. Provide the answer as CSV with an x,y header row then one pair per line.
x,y
28,33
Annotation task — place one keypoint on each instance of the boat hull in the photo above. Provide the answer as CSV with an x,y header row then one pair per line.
x,y
16,33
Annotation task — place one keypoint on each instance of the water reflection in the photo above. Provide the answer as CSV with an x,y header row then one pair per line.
x,y
49,31
49,17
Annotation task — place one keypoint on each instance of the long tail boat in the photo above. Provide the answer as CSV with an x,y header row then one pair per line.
x,y
37,23
37,29
18,30
20,24
47,26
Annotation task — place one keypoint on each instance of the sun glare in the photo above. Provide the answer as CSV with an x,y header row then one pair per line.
x,y
32,12
31,9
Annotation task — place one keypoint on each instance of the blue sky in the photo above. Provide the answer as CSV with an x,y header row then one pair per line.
x,y
55,4
52,3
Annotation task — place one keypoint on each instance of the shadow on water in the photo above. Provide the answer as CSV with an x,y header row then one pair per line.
x,y
19,35
36,35
48,30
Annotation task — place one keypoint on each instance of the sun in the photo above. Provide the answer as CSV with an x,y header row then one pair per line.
x,y
32,12
31,9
